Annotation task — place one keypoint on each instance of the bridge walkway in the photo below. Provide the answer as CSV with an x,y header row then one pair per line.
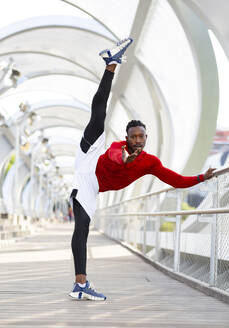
x,y
36,275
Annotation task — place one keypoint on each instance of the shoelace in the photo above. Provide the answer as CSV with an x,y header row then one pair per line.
x,y
120,44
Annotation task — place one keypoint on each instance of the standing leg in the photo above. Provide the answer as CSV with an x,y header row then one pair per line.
x,y
79,241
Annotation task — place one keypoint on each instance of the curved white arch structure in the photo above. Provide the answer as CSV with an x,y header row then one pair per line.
x,y
170,81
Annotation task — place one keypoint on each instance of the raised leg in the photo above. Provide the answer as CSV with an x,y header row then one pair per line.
x,y
95,126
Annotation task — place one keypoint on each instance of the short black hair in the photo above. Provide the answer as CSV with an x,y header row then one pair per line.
x,y
133,124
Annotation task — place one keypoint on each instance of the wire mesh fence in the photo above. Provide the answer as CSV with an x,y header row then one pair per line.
x,y
186,230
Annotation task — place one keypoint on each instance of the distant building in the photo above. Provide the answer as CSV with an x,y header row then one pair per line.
x,y
221,142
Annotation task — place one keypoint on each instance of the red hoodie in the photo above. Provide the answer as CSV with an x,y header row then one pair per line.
x,y
113,174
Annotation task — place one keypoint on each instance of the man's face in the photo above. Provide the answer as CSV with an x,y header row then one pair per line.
x,y
136,138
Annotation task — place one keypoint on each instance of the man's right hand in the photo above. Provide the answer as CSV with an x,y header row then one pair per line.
x,y
129,158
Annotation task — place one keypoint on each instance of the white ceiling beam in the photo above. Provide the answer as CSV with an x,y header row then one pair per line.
x,y
125,70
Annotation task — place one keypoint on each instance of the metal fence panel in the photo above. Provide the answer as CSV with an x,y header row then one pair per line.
x,y
195,244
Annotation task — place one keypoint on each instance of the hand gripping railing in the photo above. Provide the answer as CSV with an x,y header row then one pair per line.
x,y
133,227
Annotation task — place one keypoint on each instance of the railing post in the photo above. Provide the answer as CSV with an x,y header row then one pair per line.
x,y
177,244
117,229
135,232
157,231
16,176
144,235
157,238
177,235
128,230
214,241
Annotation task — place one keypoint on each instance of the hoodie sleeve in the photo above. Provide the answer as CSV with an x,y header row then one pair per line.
x,y
172,178
115,152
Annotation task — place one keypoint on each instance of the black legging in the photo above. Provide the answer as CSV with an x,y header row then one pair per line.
x,y
79,238
92,132
95,126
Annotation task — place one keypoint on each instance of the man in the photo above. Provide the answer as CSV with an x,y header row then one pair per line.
x,y
121,164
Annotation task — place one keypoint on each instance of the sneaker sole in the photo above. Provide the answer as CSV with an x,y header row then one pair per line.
x,y
81,295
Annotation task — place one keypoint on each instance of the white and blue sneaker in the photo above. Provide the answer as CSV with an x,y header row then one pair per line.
x,y
115,55
88,292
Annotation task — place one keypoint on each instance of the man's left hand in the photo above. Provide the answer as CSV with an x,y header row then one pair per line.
x,y
209,173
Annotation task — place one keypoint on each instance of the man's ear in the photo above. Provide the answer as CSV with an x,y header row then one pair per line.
x,y
126,138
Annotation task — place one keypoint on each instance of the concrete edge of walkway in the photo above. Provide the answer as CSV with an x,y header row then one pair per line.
x,y
192,282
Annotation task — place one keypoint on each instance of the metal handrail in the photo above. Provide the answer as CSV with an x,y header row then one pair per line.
x,y
220,172
173,213
166,189
153,193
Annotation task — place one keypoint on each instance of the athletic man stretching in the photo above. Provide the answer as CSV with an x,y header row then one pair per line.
x,y
121,164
